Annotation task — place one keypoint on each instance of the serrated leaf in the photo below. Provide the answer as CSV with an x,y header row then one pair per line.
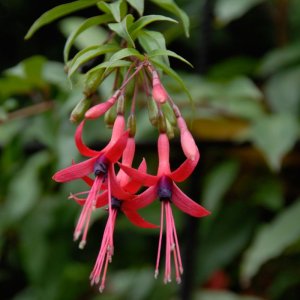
x,y
172,7
94,21
275,135
138,5
229,10
173,75
117,9
272,240
122,29
144,21
89,53
161,52
56,13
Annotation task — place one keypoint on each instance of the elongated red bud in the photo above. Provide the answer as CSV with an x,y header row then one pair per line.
x,y
187,141
100,109
159,93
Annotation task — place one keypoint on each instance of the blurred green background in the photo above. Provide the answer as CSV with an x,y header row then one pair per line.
x,y
246,90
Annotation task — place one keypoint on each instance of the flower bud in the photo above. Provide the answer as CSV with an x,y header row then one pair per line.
x,y
131,125
162,126
78,112
170,130
188,144
152,112
159,93
169,114
100,109
110,116
120,105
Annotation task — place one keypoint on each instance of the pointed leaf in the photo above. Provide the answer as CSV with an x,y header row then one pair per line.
x,y
172,7
122,29
271,240
275,135
138,5
152,40
87,54
160,52
58,12
97,20
144,21
117,9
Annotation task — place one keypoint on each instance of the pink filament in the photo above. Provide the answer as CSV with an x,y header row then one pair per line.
x,y
106,252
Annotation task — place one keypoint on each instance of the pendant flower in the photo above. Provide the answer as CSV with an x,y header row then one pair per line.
x,y
163,187
101,164
115,205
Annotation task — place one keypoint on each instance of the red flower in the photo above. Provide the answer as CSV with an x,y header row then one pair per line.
x,y
163,186
115,205
101,164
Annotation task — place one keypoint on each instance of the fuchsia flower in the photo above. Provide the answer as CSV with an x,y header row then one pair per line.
x,y
101,164
159,93
107,246
163,187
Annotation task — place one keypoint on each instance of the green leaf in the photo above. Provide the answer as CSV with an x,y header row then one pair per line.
x,y
172,7
275,136
24,189
122,29
161,52
279,59
58,12
95,76
217,183
153,40
30,70
138,5
173,75
117,9
125,53
283,92
229,10
222,295
272,240
226,237
94,21
87,54
144,21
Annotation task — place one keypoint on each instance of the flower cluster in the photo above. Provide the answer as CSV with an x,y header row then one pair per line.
x,y
115,184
